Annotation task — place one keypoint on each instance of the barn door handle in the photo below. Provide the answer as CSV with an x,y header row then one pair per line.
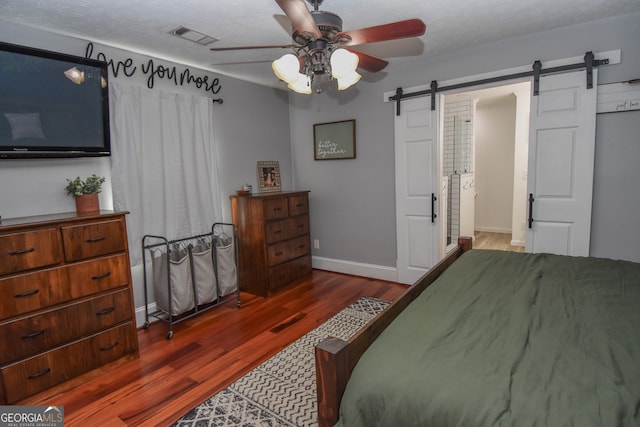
x,y
433,207
530,219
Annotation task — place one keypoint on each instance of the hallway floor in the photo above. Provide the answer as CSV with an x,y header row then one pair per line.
x,y
500,241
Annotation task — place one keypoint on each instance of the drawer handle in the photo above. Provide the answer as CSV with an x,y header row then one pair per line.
x,y
23,251
277,232
301,226
277,209
95,239
109,347
33,334
39,374
279,253
299,205
26,294
101,276
302,246
105,311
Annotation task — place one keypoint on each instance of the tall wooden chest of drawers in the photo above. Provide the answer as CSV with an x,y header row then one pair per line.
x,y
274,244
66,304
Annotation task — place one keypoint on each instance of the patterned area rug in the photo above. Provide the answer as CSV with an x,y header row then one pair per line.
x,y
282,390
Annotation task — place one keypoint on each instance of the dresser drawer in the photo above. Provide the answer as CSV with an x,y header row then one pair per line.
x,y
38,373
40,289
284,251
28,250
90,240
298,205
289,271
276,208
284,229
38,333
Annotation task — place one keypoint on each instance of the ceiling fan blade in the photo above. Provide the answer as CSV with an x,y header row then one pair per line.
x,y
369,62
300,16
276,46
379,33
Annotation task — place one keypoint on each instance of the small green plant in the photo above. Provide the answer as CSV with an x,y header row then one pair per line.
x,y
91,185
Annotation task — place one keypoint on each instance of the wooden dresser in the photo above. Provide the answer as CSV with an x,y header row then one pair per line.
x,y
274,244
66,304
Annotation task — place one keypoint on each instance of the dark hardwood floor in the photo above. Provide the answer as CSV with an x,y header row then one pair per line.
x,y
206,353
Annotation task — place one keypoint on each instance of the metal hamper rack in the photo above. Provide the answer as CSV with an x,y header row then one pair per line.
x,y
195,282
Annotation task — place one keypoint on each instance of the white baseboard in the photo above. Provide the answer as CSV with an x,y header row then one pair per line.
x,y
356,268
339,266
493,230
140,317
518,243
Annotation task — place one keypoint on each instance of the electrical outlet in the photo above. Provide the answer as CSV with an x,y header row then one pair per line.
x,y
316,243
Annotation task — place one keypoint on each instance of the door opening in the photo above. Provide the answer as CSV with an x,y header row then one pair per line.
x,y
484,150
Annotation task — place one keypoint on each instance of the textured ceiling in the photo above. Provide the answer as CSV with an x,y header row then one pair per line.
x,y
142,26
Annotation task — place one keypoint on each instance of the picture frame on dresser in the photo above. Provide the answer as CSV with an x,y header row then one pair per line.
x,y
269,176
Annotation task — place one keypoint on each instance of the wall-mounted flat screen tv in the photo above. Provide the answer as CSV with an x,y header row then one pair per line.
x,y
52,104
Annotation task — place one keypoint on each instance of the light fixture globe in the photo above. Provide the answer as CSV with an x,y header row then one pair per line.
x,y
301,85
343,63
348,80
287,68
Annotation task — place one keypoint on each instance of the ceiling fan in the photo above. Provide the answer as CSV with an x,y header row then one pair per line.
x,y
322,48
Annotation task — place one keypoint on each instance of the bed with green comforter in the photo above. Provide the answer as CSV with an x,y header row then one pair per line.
x,y
508,339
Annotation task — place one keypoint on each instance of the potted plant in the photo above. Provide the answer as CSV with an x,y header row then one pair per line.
x,y
85,193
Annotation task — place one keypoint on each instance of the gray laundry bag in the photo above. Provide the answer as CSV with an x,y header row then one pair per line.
x,y
178,276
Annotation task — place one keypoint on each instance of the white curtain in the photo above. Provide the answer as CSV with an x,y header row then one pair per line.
x,y
163,163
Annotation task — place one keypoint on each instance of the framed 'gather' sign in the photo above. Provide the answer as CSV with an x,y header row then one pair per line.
x,y
334,140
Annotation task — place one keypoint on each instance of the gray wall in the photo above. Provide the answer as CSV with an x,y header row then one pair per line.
x,y
615,232
252,124
353,201
495,121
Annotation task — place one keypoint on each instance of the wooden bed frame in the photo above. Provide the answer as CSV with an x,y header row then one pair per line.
x,y
336,358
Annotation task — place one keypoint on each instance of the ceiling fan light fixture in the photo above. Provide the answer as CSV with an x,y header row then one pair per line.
x,y
301,85
348,80
343,63
287,68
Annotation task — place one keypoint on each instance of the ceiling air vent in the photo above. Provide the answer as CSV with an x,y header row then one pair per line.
x,y
192,35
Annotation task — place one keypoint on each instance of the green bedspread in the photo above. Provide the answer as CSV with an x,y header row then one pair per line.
x,y
508,339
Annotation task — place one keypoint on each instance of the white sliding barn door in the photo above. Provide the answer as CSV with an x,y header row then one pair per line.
x,y
416,183
561,156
